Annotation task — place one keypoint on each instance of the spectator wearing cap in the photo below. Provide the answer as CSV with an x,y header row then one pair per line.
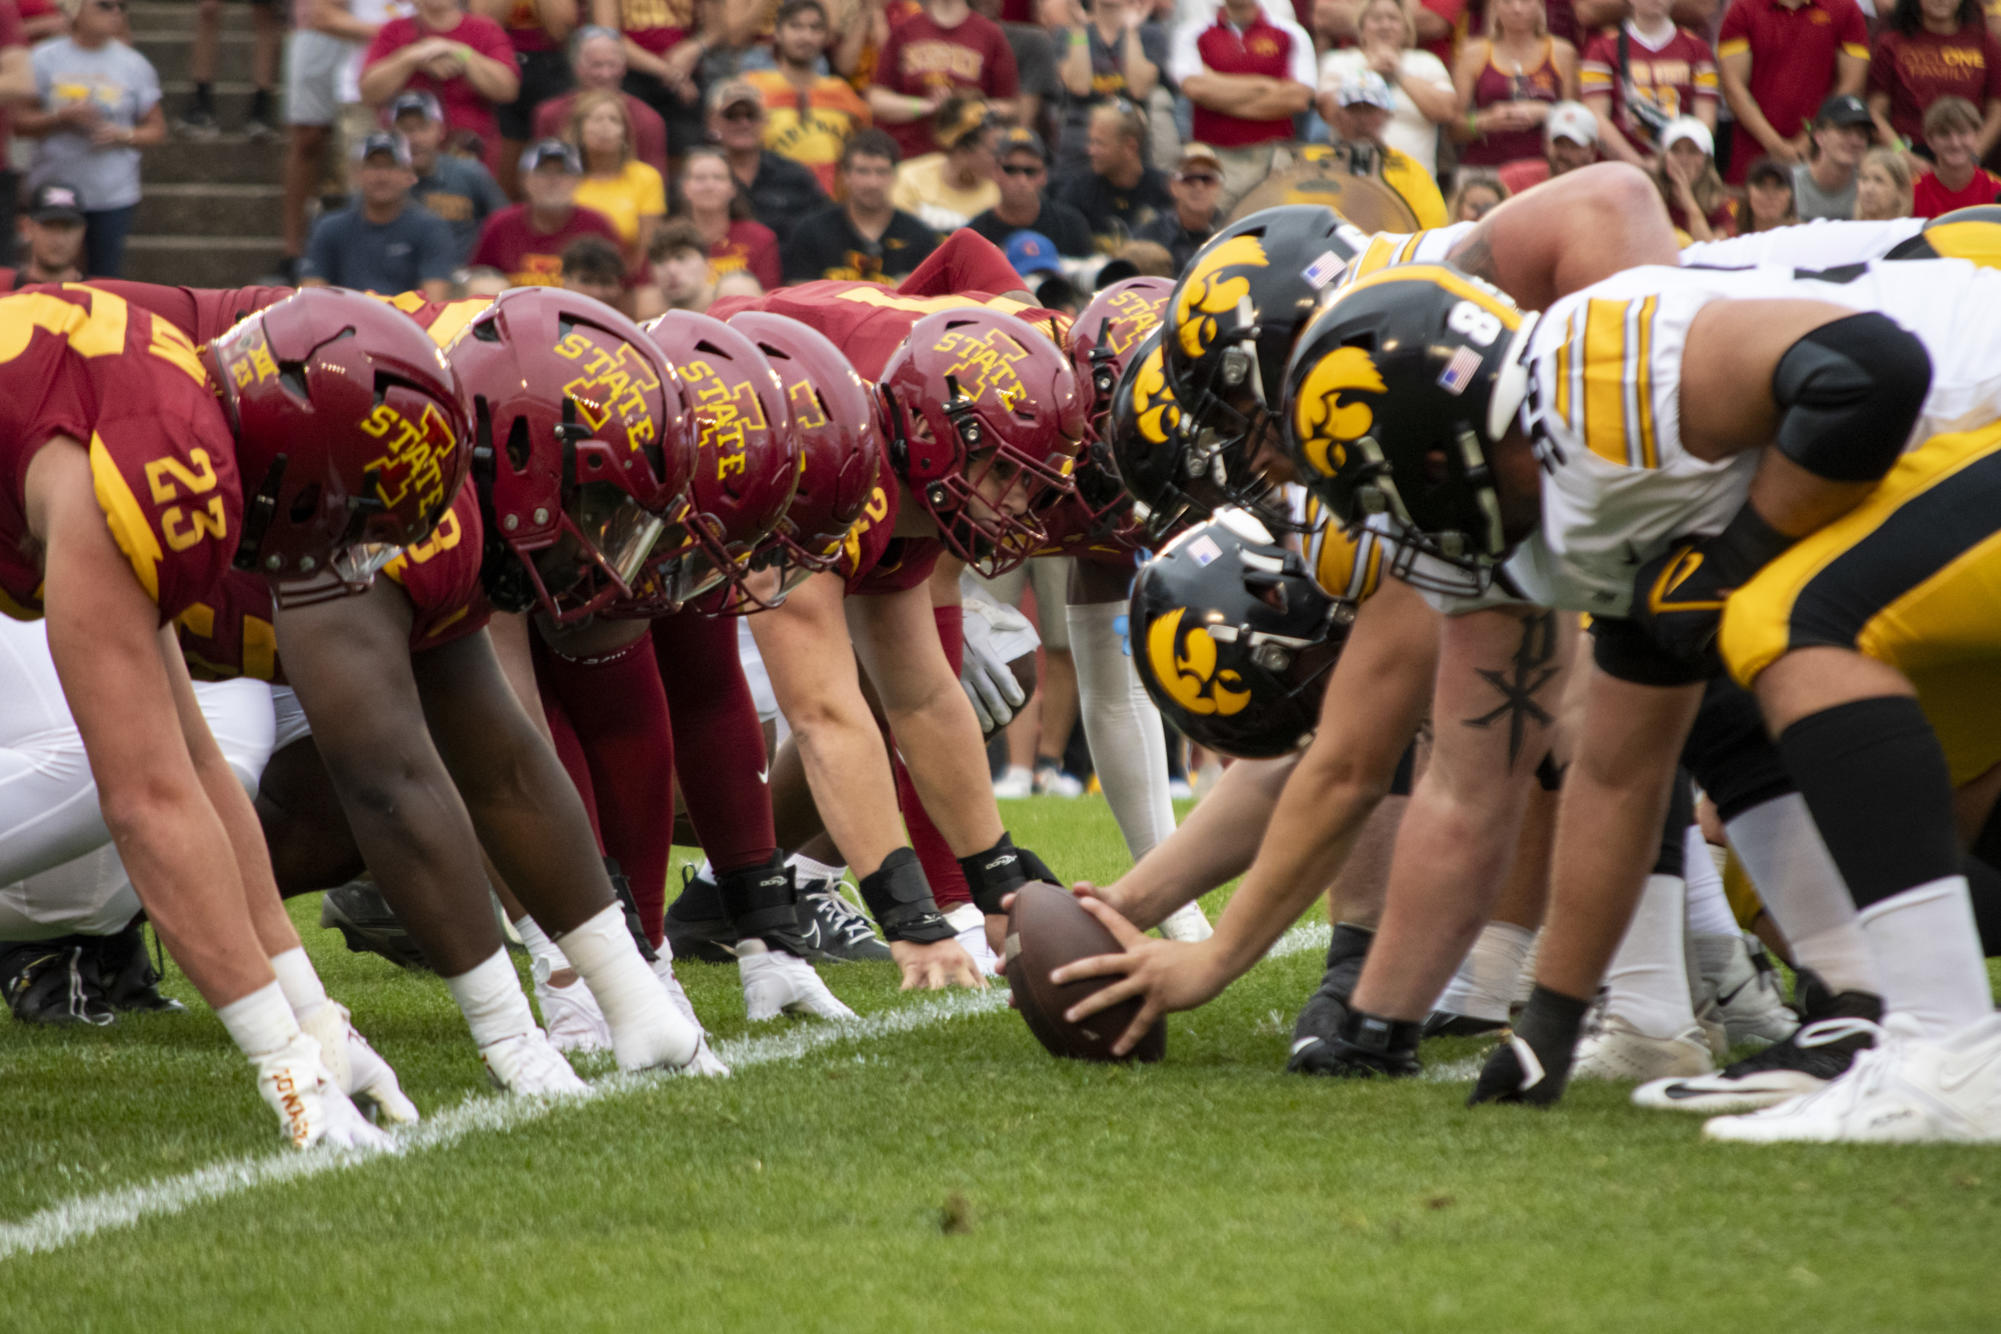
x,y
865,236
1777,61
808,114
1362,111
1114,54
951,187
597,61
51,235
598,269
1569,141
1508,80
385,241
1197,185
707,195
1824,184
1643,74
464,60
1248,74
1032,255
672,48
616,183
1928,49
1119,192
457,190
1023,205
1698,203
681,276
942,50
778,190
537,30
98,105
526,241
1768,198
1956,180
1421,95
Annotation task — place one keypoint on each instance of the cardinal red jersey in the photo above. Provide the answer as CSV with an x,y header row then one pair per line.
x,y
206,313
229,632
89,366
873,559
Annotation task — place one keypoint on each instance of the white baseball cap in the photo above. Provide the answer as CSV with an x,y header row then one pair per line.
x,y
1573,121
1691,129
1366,88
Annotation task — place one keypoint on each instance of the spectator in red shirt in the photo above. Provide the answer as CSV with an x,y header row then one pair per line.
x,y
464,60
1247,74
946,50
537,29
526,242
1642,75
597,60
1508,80
1928,49
1778,60
1956,180
706,195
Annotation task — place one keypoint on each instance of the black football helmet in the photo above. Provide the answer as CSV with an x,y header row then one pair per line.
x,y
1394,396
1965,233
1233,320
1233,638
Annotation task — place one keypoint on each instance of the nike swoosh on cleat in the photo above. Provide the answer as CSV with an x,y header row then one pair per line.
x,y
1951,1081
1303,1044
1683,1092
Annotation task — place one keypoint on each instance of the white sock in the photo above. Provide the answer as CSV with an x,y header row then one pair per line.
x,y
636,1008
1797,880
1927,949
1485,982
261,1022
299,982
705,871
540,947
1128,744
806,871
1708,907
489,995
1649,975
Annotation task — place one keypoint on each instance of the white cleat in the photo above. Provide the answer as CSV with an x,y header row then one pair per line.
x,y
570,1014
776,983
1187,924
1743,991
971,925
529,1065
1618,1051
1907,1089
357,1069
311,1108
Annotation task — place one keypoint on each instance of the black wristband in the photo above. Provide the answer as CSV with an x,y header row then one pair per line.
x,y
762,902
998,872
899,898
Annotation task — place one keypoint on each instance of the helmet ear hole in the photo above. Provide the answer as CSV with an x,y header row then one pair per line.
x,y
292,376
306,503
519,448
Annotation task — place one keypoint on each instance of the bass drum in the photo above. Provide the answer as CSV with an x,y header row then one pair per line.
x,y
1322,179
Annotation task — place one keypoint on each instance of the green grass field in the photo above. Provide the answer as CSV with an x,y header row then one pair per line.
x,y
938,1172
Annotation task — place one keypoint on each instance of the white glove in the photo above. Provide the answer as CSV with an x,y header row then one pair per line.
x,y
705,1061
357,1069
988,680
311,1110
776,982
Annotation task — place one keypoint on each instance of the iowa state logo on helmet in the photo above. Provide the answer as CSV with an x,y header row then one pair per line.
x,y
1185,668
1214,286
414,455
1326,416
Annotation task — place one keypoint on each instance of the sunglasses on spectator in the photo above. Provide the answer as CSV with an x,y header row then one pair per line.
x,y
1200,178
1022,169
109,6
743,111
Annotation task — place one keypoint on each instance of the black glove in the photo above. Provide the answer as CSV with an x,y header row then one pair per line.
x,y
1000,871
1678,596
1534,1065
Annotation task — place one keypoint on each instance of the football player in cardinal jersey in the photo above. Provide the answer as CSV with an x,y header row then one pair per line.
x,y
134,491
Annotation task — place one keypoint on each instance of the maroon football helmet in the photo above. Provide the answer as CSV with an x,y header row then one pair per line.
x,y
835,419
1103,340
982,404
585,448
746,458
352,438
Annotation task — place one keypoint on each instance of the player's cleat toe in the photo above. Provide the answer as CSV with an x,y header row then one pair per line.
x,y
126,974
570,1014
1320,1019
1743,989
1787,1069
1618,1051
1445,1024
1907,1088
528,1064
1188,924
844,932
369,925
776,983
48,982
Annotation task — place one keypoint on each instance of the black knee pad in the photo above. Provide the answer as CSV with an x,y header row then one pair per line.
x,y
1730,754
1849,394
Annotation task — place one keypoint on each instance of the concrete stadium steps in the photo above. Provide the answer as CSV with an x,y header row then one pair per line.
x,y
171,48
202,261
232,159
215,211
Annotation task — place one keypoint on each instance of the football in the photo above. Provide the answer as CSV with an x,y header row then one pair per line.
x,y
1047,928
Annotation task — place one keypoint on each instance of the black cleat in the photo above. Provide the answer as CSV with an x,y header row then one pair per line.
x,y
45,983
1366,1046
370,926
1320,1019
1446,1024
125,974
845,934
1784,1070
697,927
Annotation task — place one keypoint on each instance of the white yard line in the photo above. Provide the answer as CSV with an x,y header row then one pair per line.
x,y
85,1216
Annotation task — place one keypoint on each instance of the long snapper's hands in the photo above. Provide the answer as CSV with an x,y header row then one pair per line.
x,y
1167,975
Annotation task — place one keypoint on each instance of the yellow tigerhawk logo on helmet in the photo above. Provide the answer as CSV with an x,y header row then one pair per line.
x,y
1320,421
1154,407
1189,674
1206,292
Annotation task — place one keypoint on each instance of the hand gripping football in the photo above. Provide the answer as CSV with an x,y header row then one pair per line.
x,y
1047,928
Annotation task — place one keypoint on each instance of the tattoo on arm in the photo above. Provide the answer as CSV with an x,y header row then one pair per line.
x,y
1475,255
1519,683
